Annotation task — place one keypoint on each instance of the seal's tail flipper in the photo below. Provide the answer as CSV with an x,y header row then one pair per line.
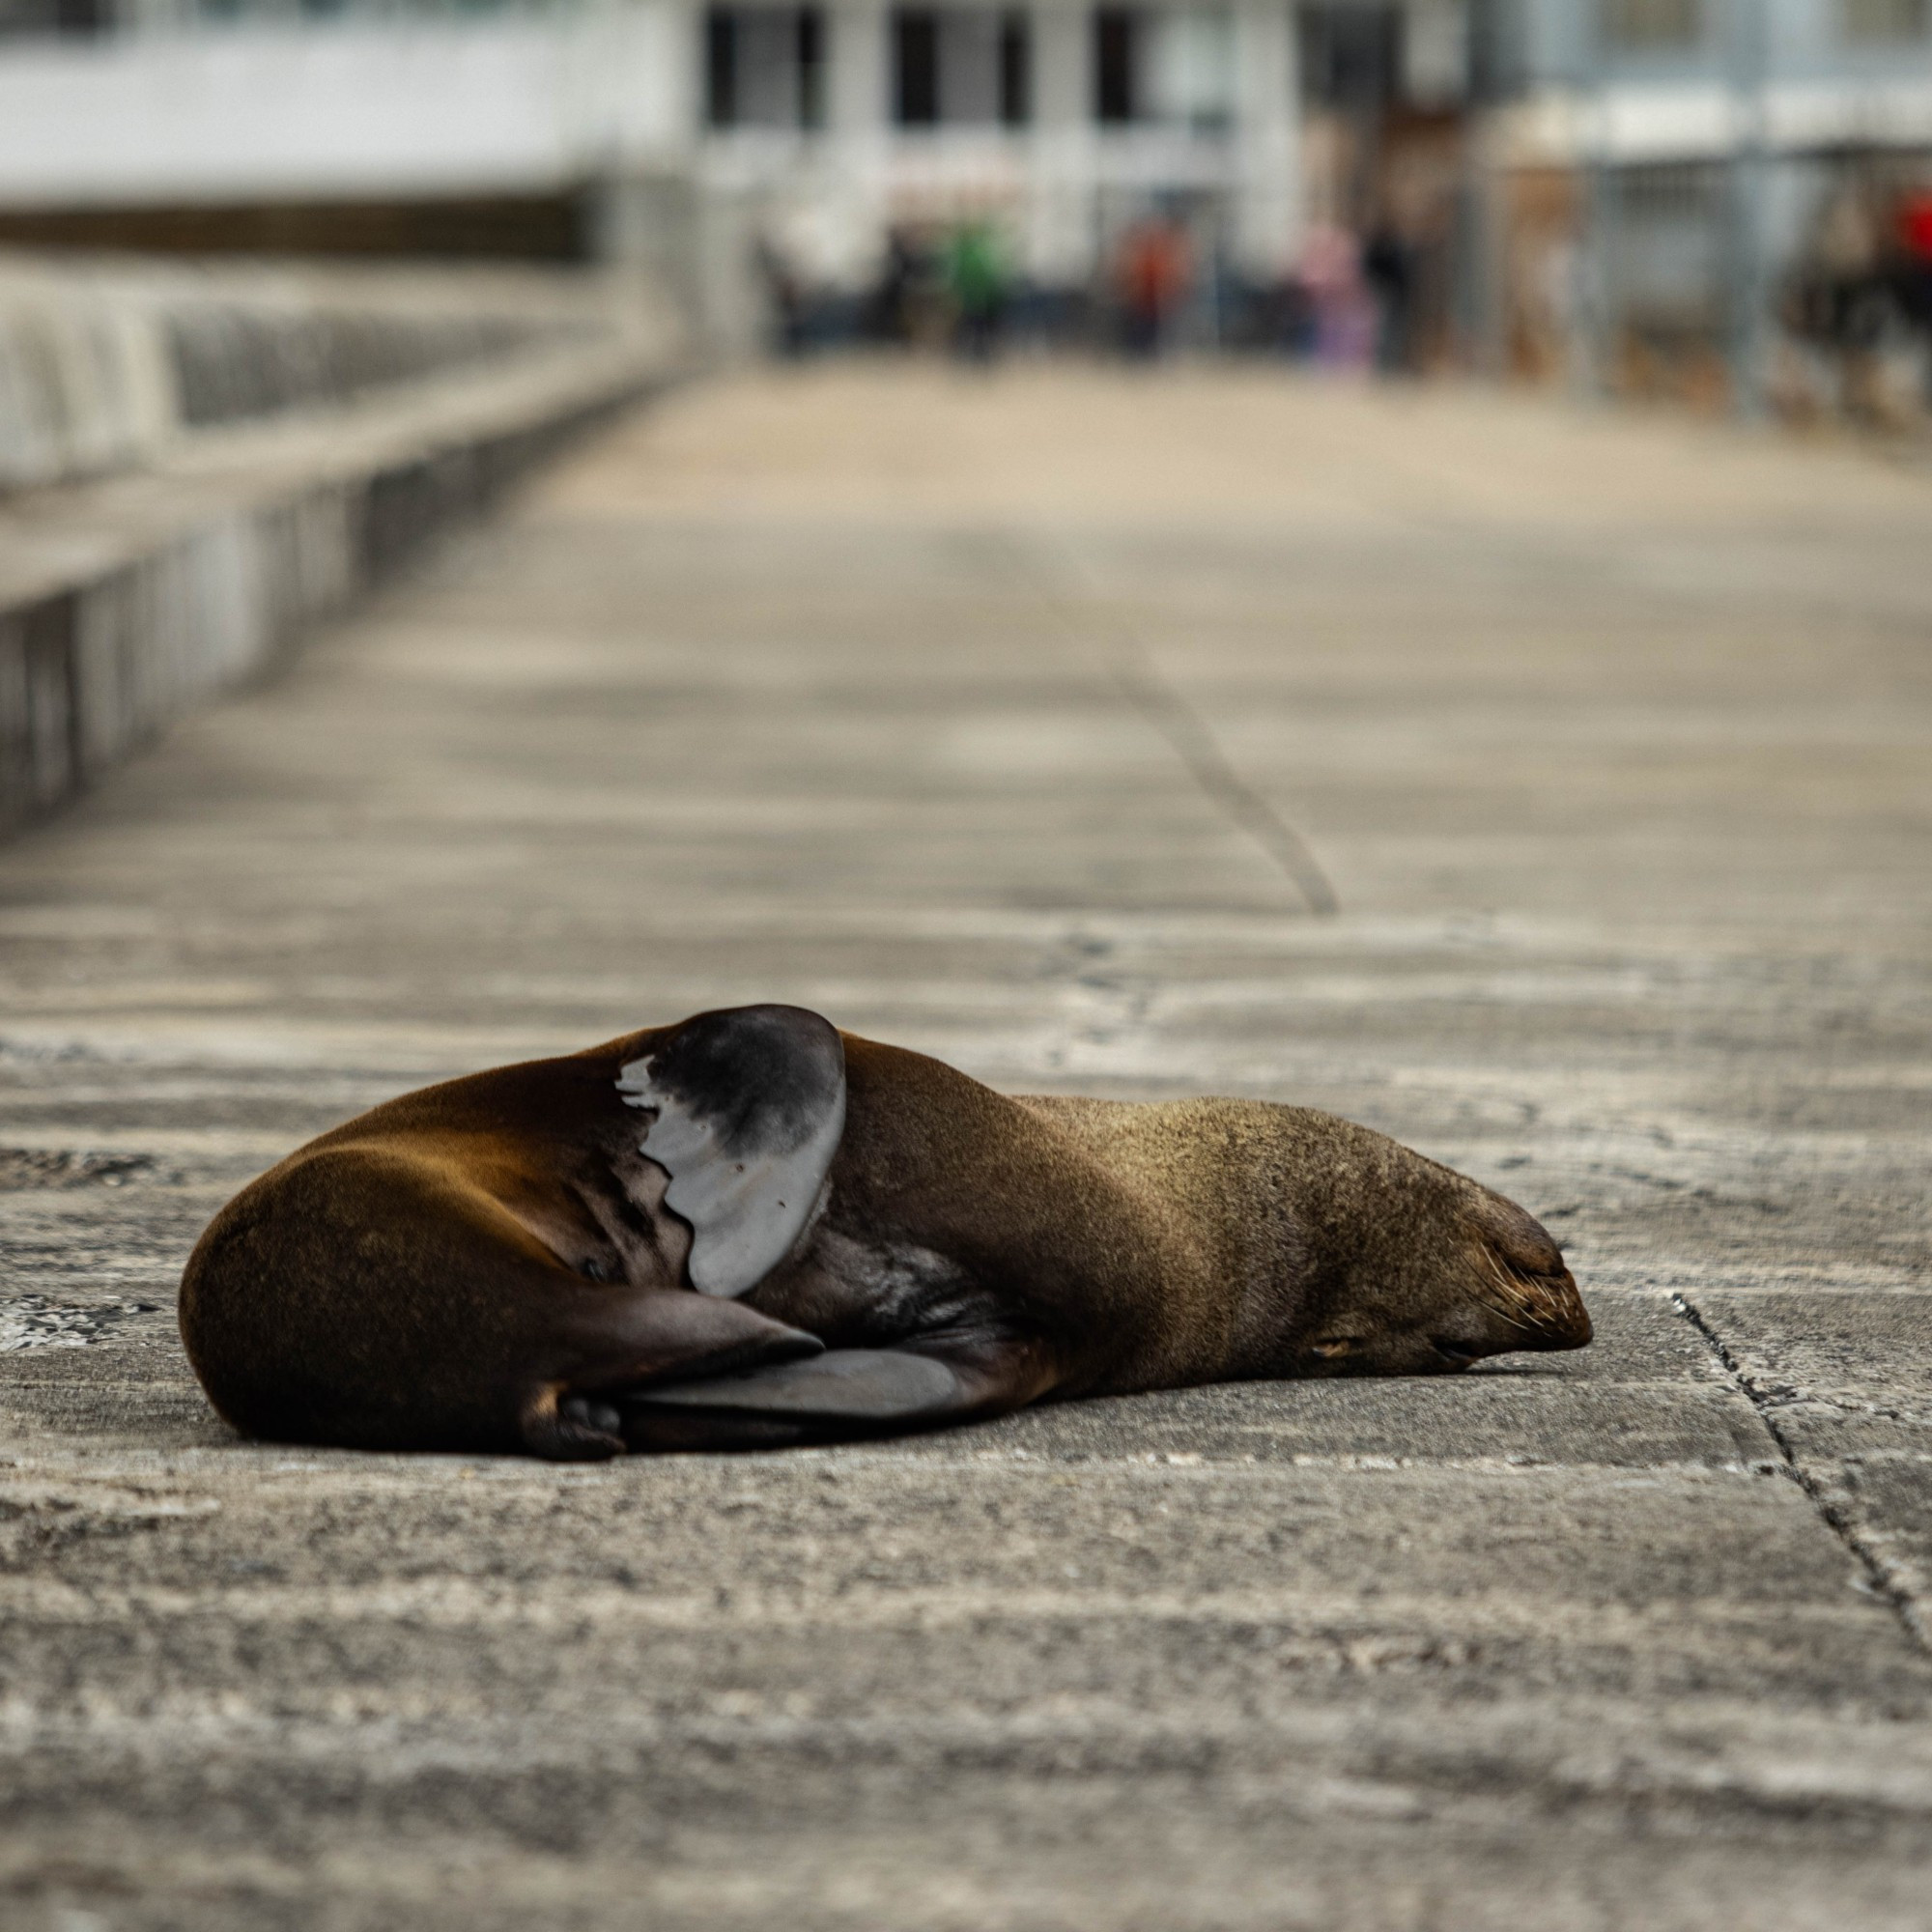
x,y
843,1393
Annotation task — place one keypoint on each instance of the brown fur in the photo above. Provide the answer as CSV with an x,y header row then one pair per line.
x,y
482,1264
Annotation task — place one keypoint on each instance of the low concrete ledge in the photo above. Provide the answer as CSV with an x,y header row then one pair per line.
x,y
105,363
125,603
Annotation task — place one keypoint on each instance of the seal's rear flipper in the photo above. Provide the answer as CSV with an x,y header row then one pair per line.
x,y
749,1104
609,1343
866,1384
843,1393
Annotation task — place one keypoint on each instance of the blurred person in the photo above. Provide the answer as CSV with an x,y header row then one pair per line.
x,y
784,297
1912,229
1342,309
1389,268
903,277
1154,274
1913,226
977,284
1841,299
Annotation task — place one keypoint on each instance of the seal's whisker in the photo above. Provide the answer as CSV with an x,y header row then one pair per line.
x,y
1522,1303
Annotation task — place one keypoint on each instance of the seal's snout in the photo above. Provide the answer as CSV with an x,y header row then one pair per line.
x,y
1522,1278
1549,1310
1540,1306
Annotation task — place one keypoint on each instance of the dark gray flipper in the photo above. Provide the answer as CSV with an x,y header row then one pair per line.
x,y
749,1106
841,1394
605,1342
884,1385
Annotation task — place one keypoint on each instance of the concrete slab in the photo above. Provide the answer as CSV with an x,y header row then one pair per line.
x,y
833,686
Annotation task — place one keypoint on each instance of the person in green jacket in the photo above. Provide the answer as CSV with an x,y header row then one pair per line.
x,y
975,270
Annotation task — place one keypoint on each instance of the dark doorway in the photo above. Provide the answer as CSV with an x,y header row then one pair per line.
x,y
1120,34
916,68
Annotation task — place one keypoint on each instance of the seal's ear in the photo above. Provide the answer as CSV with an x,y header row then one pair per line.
x,y
749,1106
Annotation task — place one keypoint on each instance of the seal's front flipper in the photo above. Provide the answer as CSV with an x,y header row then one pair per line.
x,y
749,1106
843,1393
602,1345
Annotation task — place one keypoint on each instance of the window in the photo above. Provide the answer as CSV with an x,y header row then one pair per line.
x,y
1885,22
1352,56
1015,70
916,68
1653,26
960,67
1117,35
1194,67
764,67
1168,66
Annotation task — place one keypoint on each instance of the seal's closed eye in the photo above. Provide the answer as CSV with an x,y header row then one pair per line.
x,y
1336,1347
749,1106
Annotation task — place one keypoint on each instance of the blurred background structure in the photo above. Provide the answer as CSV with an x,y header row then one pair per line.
x,y
1724,200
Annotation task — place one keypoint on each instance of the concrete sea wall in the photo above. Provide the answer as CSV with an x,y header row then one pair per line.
x,y
194,467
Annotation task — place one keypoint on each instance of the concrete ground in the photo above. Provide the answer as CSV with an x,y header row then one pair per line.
x,y
1024,720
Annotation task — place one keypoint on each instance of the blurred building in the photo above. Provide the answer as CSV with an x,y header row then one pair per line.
x,y
684,134
1680,195
1700,195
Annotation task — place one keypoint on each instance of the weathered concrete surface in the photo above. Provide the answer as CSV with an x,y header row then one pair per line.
x,y
871,690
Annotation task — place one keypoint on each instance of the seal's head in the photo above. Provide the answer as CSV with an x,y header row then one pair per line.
x,y
1420,1270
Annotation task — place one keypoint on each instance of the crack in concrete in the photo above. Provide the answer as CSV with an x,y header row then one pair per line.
x,y
1880,1576
1233,796
1134,673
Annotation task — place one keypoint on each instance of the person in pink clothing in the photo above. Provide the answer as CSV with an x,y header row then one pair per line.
x,y
1342,305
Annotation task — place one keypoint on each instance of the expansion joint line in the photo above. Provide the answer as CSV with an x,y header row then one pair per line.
x,y
1878,1573
1187,732
1131,666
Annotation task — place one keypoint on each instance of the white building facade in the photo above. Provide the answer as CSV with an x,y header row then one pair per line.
x,y
691,127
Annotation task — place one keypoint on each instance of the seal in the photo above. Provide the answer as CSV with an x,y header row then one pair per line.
x,y
748,1230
